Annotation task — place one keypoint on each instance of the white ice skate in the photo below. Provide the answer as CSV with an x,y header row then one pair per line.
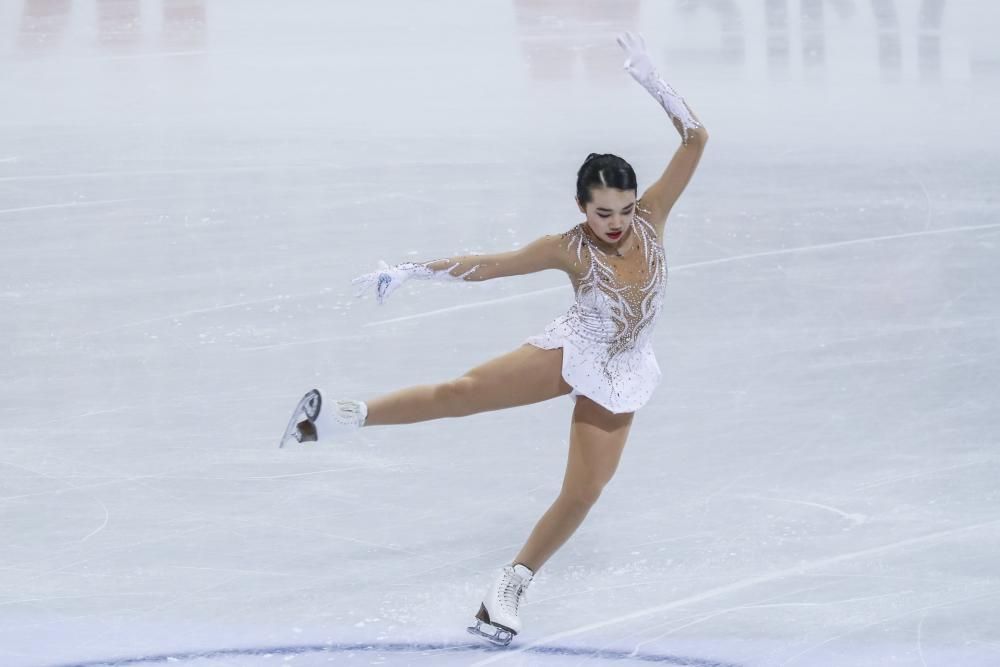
x,y
300,428
498,612
310,422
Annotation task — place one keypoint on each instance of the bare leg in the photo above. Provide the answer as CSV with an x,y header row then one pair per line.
x,y
527,375
597,438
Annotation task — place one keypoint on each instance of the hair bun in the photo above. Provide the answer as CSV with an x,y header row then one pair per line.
x,y
592,156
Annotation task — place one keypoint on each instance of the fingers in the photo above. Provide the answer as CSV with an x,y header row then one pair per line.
x,y
632,43
627,41
366,280
362,286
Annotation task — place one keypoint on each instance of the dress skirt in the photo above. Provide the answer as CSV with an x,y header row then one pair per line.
x,y
623,383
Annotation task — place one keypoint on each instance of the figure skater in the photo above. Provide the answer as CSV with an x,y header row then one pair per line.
x,y
599,352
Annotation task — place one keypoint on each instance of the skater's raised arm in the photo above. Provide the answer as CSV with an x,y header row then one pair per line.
x,y
543,253
660,197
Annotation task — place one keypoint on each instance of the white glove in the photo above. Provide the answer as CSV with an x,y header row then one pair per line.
x,y
387,279
640,66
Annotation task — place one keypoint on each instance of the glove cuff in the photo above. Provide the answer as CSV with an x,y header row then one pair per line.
x,y
671,101
424,272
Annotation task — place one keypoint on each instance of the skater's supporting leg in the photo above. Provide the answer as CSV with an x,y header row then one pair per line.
x,y
597,438
526,375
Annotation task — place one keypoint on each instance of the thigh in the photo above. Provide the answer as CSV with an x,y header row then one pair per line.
x,y
526,375
597,439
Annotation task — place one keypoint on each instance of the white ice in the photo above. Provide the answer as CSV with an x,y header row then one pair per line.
x,y
187,188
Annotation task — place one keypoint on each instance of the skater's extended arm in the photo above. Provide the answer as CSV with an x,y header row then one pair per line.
x,y
543,253
661,196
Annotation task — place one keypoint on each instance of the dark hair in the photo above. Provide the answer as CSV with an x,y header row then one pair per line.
x,y
605,171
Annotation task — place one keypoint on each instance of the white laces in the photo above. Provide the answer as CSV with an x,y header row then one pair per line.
x,y
515,590
348,412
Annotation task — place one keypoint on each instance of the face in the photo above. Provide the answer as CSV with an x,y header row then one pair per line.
x,y
610,210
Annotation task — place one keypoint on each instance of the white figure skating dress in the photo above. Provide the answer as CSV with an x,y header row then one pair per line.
x,y
606,335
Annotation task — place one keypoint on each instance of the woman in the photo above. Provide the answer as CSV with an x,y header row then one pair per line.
x,y
599,352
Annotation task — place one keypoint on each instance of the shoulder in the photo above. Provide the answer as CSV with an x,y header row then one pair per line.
x,y
574,248
566,247
571,237
566,251
551,251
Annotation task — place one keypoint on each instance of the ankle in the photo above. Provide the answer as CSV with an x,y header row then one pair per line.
x,y
522,563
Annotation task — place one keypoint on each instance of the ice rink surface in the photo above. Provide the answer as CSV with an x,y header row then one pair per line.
x,y
187,188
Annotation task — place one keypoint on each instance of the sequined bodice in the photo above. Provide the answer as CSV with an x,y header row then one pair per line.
x,y
618,298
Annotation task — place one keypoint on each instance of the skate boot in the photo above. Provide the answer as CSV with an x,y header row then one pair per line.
x,y
498,612
300,427
341,418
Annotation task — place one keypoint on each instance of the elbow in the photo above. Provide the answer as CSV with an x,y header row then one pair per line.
x,y
698,135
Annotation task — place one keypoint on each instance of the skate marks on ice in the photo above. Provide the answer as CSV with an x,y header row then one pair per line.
x,y
172,317
736,586
71,204
436,655
467,306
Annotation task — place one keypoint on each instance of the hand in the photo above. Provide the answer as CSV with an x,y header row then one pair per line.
x,y
642,70
387,279
638,64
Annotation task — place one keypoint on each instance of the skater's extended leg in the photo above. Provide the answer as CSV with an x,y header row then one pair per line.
x,y
597,438
526,375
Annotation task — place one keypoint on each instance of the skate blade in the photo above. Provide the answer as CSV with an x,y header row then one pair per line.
x,y
291,430
500,636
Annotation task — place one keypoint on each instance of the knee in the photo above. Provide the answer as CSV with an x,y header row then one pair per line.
x,y
455,394
583,494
